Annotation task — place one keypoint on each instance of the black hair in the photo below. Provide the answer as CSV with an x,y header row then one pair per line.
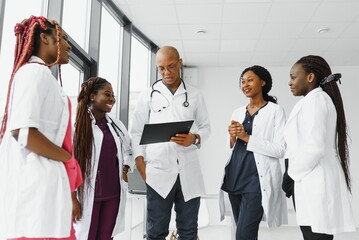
x,y
263,74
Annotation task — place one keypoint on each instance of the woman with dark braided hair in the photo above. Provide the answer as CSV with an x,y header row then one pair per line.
x,y
316,137
38,171
103,148
253,173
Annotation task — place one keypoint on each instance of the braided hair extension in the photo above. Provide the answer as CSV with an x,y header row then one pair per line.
x,y
321,69
27,44
264,75
83,136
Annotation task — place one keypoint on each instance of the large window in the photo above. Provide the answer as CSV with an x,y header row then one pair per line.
x,y
139,73
13,14
75,21
72,78
110,54
100,54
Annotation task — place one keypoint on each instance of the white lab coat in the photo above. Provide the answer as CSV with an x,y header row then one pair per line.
x,y
35,198
321,195
125,157
162,168
267,145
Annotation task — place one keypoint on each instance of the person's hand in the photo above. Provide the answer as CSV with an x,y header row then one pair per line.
x,y
236,130
76,208
124,172
184,140
242,134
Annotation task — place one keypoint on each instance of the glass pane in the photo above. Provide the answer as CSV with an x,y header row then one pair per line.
x,y
13,14
139,74
72,78
110,54
76,21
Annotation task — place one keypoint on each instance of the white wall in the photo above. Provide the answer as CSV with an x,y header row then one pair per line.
x,y
220,87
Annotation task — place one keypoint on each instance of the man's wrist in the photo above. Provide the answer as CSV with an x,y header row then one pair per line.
x,y
196,139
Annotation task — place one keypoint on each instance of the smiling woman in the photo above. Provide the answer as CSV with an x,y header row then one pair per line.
x,y
103,196
253,172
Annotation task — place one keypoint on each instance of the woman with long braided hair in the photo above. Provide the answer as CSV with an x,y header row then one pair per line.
x,y
316,137
38,171
103,148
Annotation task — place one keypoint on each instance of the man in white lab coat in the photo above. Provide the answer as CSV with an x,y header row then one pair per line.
x,y
171,170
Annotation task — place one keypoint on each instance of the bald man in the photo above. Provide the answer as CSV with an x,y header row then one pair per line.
x,y
171,170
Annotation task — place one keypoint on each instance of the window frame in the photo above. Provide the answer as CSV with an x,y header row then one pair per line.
x,y
88,62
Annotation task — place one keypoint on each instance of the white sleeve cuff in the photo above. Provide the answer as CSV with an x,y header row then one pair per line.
x,y
23,136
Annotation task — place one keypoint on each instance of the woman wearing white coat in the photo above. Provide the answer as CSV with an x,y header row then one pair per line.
x,y
253,173
316,138
35,199
103,148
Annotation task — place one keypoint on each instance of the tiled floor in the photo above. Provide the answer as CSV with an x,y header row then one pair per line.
x,y
214,229
224,233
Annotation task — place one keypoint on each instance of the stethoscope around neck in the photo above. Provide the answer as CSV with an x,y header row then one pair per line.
x,y
185,103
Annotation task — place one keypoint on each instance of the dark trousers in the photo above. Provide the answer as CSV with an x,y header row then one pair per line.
x,y
247,211
159,214
103,220
309,235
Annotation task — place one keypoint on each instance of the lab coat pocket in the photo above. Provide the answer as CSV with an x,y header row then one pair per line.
x,y
188,112
314,181
155,155
31,177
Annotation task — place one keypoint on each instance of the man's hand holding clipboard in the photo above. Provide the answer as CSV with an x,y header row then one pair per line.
x,y
177,132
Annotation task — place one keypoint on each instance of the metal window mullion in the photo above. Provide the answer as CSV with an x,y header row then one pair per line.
x,y
54,11
95,35
2,13
125,73
153,70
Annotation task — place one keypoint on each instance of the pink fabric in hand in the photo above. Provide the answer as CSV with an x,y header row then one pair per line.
x,y
74,173
72,166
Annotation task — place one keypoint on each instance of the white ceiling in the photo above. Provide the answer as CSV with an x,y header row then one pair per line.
x,y
247,32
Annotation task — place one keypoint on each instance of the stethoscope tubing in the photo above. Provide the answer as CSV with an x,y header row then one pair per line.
x,y
185,103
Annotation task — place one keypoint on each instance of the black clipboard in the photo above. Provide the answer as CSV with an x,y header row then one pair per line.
x,y
162,132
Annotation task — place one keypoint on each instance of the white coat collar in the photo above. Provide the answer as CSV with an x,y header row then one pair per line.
x,y
92,117
36,59
300,103
314,91
93,120
164,89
